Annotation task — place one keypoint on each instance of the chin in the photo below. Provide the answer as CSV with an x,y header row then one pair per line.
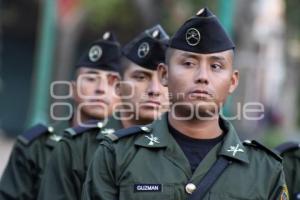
x,y
97,113
206,112
148,114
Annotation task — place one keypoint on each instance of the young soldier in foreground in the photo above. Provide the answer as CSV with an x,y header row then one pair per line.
x,y
290,152
23,174
192,152
143,98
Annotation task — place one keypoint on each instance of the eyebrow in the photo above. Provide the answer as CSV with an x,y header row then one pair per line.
x,y
213,57
92,72
189,55
218,58
142,71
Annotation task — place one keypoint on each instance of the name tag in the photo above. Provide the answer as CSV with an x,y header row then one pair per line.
x,y
147,188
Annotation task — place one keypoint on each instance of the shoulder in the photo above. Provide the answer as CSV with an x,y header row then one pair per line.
x,y
33,134
124,138
287,147
127,132
82,129
261,150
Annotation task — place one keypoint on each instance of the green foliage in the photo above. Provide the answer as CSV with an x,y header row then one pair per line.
x,y
292,14
123,13
109,12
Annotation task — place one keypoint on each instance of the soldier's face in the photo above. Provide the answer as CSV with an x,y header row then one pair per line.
x,y
94,93
199,83
141,90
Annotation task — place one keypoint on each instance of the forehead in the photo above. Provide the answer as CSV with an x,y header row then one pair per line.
x,y
87,70
224,55
136,68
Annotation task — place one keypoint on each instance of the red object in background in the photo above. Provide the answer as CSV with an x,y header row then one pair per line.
x,y
65,8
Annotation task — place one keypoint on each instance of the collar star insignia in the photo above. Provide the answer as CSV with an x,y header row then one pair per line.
x,y
152,139
235,149
55,137
108,131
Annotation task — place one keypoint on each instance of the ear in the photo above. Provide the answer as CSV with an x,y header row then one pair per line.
x,y
74,90
162,70
234,81
118,88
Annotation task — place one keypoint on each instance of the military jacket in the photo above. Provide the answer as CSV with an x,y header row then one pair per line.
x,y
146,163
27,162
67,167
290,152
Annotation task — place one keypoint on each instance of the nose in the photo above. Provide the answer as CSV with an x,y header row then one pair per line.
x,y
154,88
101,86
201,76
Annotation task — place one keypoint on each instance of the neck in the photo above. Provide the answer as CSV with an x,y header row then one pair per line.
x,y
79,118
196,128
129,119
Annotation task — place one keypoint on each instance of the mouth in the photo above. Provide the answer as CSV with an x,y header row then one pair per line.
x,y
151,103
100,101
200,94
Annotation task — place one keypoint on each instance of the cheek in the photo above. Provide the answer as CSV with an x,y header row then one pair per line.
x,y
126,90
177,82
87,89
139,90
165,93
222,89
112,95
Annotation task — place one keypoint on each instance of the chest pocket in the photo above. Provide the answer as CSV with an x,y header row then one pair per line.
x,y
147,192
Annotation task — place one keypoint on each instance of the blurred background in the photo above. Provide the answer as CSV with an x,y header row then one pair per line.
x,y
41,40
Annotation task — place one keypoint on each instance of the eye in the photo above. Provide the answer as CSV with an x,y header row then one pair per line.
x,y
216,67
90,78
189,63
139,77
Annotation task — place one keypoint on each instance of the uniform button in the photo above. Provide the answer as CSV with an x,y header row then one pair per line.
x,y
190,188
50,129
247,141
100,124
146,129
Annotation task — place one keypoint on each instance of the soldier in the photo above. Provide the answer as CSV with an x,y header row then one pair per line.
x,y
290,151
22,177
143,99
191,152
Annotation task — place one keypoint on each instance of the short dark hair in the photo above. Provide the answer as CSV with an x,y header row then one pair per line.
x,y
125,63
169,53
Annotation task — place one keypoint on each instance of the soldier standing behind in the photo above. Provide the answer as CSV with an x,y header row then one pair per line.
x,y
290,151
22,177
143,100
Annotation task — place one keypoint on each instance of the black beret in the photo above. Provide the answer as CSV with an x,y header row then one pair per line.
x,y
148,48
104,54
202,33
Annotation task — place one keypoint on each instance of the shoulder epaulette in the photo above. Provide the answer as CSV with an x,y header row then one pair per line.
x,y
256,144
33,133
128,132
89,125
288,146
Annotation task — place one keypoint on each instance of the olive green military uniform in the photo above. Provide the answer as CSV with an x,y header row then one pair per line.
x,y
150,165
68,164
290,152
23,174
